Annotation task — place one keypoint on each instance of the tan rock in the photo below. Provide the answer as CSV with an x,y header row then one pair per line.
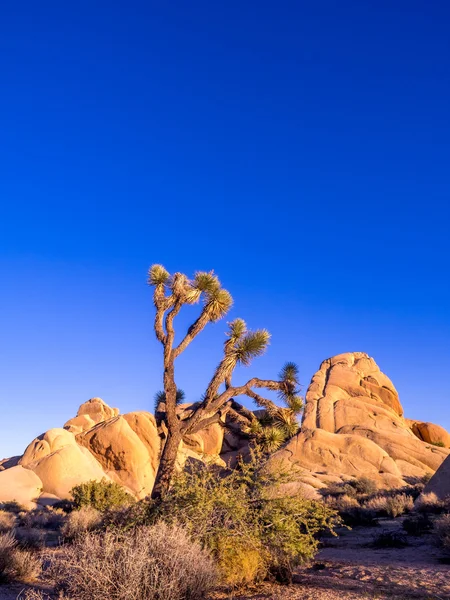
x,y
45,444
65,468
7,463
439,484
127,447
353,425
21,485
89,414
429,432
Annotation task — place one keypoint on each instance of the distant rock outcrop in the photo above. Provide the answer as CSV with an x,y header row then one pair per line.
x,y
353,426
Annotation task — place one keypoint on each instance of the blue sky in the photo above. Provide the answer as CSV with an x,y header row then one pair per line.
x,y
299,149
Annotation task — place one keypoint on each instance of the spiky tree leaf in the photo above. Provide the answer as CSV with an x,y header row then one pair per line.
x,y
218,303
289,373
157,275
295,403
254,343
272,438
206,282
237,329
161,397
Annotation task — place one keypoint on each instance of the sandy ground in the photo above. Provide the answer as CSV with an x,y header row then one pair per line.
x,y
348,568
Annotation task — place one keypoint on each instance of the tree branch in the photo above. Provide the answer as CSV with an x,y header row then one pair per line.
x,y
193,331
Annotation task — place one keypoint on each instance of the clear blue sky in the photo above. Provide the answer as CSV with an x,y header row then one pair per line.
x,y
300,149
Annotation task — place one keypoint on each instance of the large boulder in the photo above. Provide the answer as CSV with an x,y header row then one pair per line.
x,y
45,444
430,433
353,426
89,414
21,485
127,447
60,462
439,484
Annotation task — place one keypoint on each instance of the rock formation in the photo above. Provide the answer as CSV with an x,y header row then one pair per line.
x,y
353,426
439,484
98,443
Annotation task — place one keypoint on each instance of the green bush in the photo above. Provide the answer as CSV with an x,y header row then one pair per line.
x,y
101,495
244,518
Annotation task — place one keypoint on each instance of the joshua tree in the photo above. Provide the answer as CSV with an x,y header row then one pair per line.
x,y
170,294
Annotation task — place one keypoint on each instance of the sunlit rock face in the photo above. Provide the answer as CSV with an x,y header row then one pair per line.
x,y
353,426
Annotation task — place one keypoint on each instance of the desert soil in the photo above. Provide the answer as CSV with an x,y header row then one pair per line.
x,y
348,568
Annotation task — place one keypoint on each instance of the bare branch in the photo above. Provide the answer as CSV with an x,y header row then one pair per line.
x,y
193,331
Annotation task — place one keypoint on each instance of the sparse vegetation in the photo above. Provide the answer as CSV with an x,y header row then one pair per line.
x,y
101,495
243,520
442,532
148,563
430,503
364,486
81,521
398,504
16,563
12,507
417,524
7,521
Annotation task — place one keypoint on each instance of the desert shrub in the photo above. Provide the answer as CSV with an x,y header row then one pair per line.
x,y
389,539
426,478
44,518
342,503
364,486
418,524
359,517
340,489
66,506
12,507
147,563
7,521
442,532
398,504
377,504
438,444
430,503
81,521
245,509
29,538
101,495
16,563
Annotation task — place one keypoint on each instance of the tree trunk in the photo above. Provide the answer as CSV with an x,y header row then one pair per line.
x,y
166,467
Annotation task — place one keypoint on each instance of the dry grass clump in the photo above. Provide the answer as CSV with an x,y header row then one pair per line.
x,y
377,504
12,506
398,504
430,503
7,521
147,563
30,538
442,531
44,518
16,563
81,521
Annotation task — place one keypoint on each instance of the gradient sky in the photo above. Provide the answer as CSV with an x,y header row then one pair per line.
x,y
300,149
